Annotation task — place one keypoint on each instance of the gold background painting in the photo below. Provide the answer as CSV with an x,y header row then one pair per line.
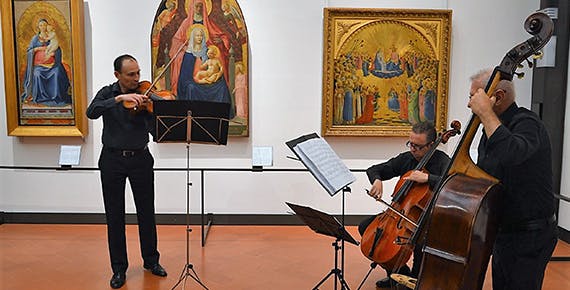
x,y
384,70
28,15
35,104
180,56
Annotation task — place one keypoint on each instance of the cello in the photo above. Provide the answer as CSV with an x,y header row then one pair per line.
x,y
383,240
466,203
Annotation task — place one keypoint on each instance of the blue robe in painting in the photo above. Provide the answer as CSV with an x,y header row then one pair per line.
x,y
45,84
188,89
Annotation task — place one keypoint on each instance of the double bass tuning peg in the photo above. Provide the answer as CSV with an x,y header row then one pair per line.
x,y
519,75
538,54
528,62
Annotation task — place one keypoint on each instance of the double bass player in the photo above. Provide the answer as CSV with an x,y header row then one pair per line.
x,y
515,148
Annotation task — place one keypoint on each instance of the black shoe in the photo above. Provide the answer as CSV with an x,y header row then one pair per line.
x,y
118,280
389,282
405,270
385,283
156,269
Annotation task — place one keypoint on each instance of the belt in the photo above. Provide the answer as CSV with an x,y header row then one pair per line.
x,y
531,225
126,152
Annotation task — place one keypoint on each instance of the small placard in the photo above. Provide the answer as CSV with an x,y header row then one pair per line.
x,y
262,156
69,155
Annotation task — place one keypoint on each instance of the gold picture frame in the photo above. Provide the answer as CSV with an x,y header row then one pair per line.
x,y
384,70
44,67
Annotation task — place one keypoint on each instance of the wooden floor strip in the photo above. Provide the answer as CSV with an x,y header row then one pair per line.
x,y
235,257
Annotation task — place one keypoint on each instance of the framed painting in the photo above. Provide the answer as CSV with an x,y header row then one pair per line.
x,y
200,51
384,70
44,67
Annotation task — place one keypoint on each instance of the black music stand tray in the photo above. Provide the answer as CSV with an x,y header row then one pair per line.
x,y
328,225
191,122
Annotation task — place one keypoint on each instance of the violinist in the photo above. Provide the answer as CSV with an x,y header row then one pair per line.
x,y
421,140
515,148
125,155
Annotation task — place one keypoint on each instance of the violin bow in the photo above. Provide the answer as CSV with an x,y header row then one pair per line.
x,y
165,68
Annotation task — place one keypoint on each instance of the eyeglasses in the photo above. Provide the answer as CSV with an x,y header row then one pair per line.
x,y
414,146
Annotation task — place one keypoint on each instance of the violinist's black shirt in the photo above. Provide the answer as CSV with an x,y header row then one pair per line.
x,y
519,155
122,129
404,162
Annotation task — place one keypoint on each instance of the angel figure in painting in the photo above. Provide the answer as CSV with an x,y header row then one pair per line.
x,y
240,91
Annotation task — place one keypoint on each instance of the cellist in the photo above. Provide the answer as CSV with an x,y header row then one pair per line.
x,y
515,148
421,139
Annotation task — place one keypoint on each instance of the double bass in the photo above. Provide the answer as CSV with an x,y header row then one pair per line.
x,y
385,239
460,224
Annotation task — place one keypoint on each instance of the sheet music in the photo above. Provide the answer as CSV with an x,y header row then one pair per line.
x,y
327,167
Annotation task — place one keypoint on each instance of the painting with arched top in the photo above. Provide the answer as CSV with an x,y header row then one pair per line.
x,y
200,52
384,70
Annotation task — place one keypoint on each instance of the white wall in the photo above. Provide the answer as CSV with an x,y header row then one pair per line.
x,y
286,77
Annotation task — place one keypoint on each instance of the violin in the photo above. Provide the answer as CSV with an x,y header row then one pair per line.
x,y
147,89
385,240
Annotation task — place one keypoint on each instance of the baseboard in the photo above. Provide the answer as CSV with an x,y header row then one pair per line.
x,y
180,219
564,234
166,219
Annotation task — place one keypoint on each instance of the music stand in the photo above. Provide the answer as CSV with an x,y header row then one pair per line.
x,y
182,121
328,225
327,168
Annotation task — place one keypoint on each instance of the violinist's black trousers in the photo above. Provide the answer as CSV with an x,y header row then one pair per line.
x,y
116,166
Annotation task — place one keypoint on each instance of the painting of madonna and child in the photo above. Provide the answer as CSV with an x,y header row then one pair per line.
x,y
44,62
200,52
387,74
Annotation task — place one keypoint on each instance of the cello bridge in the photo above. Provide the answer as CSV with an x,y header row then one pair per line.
x,y
401,240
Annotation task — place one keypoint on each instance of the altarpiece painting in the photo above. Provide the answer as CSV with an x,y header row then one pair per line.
x,y
384,70
44,67
200,52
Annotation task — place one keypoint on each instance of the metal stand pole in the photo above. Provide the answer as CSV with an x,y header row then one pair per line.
x,y
188,270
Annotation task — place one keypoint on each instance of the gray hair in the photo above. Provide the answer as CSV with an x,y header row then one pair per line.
x,y
483,76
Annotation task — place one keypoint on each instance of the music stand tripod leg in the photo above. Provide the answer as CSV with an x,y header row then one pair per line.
x,y
343,282
372,266
187,273
336,271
